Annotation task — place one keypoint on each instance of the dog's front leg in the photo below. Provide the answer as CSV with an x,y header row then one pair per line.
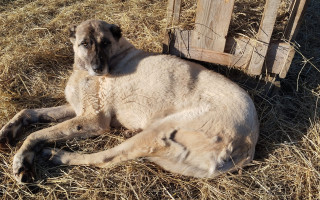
x,y
12,130
82,126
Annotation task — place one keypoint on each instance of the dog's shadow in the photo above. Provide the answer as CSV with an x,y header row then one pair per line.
x,y
44,170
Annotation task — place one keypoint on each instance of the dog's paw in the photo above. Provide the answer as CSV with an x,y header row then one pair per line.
x,y
10,131
53,155
23,167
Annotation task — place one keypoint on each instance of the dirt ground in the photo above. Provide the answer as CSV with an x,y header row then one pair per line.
x,y
36,59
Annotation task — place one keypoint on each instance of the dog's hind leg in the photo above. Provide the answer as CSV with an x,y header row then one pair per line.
x,y
183,152
12,130
148,143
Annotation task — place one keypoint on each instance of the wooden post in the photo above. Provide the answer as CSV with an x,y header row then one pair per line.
x,y
297,10
212,24
263,37
279,58
173,12
173,17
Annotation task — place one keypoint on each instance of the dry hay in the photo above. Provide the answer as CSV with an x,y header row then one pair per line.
x,y
36,59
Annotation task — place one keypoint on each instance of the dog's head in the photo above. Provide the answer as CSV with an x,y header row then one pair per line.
x,y
94,43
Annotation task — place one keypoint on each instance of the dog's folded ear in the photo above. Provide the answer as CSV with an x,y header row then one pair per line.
x,y
116,31
72,33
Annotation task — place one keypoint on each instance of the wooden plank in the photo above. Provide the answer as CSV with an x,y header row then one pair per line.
x,y
279,58
237,53
166,39
298,8
241,48
176,12
173,17
173,12
205,55
287,62
170,9
212,24
182,47
263,37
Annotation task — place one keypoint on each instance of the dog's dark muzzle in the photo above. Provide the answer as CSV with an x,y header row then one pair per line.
x,y
97,68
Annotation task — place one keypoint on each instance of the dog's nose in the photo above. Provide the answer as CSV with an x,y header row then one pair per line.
x,y
97,68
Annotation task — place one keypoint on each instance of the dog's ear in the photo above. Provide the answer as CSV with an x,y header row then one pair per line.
x,y
72,33
116,31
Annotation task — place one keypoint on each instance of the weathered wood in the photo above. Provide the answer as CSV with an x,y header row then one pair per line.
x,y
173,12
181,46
279,58
298,8
241,49
237,54
176,12
263,37
208,41
173,17
287,62
212,24
205,55
170,9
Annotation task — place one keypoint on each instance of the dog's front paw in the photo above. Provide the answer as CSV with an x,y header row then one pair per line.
x,y
9,132
23,167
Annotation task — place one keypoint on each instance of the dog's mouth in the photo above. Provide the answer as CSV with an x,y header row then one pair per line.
x,y
98,72
92,73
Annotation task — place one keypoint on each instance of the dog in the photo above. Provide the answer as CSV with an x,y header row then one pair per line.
x,y
192,121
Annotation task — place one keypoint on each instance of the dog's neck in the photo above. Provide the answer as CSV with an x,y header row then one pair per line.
x,y
125,54
125,48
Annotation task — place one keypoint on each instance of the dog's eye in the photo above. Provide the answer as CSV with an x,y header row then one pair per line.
x,y
106,43
85,44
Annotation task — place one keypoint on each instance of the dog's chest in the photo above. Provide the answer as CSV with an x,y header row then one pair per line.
x,y
82,92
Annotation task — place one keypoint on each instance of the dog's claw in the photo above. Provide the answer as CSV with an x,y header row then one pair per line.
x,y
25,176
22,168
3,138
8,134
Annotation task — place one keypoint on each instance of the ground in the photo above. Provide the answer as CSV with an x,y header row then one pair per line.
x,y
35,62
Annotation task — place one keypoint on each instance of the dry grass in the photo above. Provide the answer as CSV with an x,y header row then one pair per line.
x,y
36,59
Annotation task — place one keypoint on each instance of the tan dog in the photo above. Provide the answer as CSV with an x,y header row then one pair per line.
x,y
194,122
